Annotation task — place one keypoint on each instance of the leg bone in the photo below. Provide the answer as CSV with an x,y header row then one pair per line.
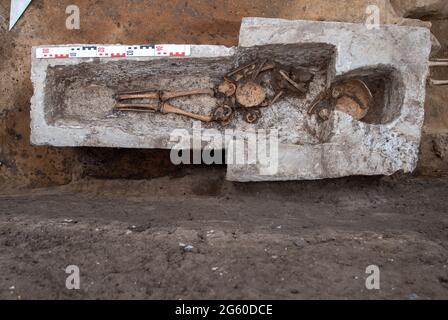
x,y
438,82
168,108
166,95
138,95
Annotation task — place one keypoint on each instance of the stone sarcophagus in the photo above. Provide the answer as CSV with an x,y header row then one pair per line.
x,y
343,99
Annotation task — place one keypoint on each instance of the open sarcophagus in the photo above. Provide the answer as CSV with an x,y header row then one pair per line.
x,y
341,98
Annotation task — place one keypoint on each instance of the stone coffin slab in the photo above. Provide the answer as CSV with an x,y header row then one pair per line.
x,y
73,98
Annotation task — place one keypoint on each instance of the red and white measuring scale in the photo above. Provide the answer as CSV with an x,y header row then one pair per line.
x,y
114,51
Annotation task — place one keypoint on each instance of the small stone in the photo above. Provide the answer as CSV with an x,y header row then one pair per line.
x,y
69,221
440,145
139,228
188,248
300,243
412,296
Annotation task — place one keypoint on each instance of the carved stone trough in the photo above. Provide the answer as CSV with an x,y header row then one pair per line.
x,y
74,98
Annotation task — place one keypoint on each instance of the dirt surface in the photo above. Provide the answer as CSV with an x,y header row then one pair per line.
x,y
284,240
265,240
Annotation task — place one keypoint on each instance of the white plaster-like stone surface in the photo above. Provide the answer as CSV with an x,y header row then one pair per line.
x,y
355,148
63,115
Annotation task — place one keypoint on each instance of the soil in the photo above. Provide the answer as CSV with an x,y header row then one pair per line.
x,y
284,240
315,239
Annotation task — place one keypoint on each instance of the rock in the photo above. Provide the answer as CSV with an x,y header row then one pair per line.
x,y
187,247
412,296
435,46
295,291
440,143
300,243
140,228
413,23
433,161
437,9
69,221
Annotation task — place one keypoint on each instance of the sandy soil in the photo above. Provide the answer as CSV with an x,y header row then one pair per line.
x,y
284,240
